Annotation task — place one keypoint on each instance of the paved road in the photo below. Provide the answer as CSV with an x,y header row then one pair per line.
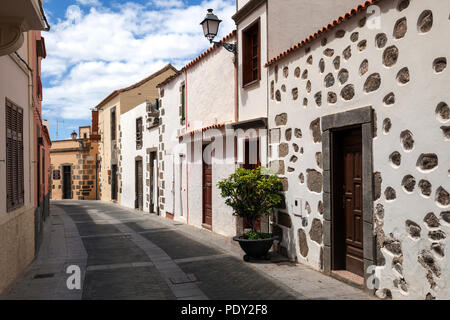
x,y
124,255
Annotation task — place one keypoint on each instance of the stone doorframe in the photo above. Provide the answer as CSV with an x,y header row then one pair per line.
x,y
364,117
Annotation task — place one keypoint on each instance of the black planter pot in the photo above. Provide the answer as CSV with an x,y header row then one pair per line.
x,y
256,249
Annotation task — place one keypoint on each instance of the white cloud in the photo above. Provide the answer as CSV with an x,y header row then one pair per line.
x,y
168,3
91,53
89,2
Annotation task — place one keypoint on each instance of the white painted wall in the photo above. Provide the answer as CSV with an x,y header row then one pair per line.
x,y
129,154
414,110
253,99
291,21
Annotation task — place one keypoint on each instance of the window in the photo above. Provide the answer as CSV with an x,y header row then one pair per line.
x,y
113,124
251,53
183,103
14,156
139,133
84,135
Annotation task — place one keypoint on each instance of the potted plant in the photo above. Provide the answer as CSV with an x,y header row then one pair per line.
x,y
253,194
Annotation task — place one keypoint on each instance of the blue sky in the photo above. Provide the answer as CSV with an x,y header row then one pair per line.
x,y
97,46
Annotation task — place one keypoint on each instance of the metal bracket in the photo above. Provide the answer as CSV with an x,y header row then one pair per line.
x,y
228,46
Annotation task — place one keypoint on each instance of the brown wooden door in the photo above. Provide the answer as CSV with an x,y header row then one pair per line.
x,y
114,188
67,182
139,187
207,191
348,208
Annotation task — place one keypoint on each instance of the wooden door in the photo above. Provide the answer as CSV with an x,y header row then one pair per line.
x,y
348,207
139,186
207,190
67,182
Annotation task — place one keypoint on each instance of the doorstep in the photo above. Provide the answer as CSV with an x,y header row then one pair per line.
x,y
349,278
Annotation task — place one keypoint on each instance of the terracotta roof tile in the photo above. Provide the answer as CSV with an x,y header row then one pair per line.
x,y
324,29
213,126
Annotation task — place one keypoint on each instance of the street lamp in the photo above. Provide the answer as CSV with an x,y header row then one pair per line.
x,y
210,29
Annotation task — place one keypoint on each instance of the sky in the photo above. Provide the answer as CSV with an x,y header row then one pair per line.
x,y
97,46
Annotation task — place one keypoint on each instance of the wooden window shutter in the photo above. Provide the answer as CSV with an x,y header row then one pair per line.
x,y
251,53
14,156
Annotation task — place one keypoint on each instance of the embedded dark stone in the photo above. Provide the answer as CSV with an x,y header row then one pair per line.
x,y
303,243
328,52
314,180
362,22
362,45
442,197
320,207
296,147
373,83
294,159
308,208
381,40
431,220
308,86
281,119
332,97
310,60
285,183
337,62
446,132
364,67
318,98
403,5
302,151
283,88
425,22
348,92
329,80
354,36
276,73
431,280
347,53
316,232
438,249
397,264
413,229
290,169
272,89
297,72
443,112
393,246
380,211
407,140
387,125
340,33
298,133
390,56
343,76
295,93
286,72
403,76
445,216
278,166
400,29
305,74
377,180
427,161
319,159
389,99
409,183
437,235
305,102
390,194
278,95
440,64
302,178
425,187
322,65
315,130
324,42
283,150
429,296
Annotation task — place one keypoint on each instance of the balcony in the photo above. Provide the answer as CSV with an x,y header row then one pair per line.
x,y
17,17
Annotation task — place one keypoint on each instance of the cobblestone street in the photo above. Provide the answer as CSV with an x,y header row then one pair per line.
x,y
124,254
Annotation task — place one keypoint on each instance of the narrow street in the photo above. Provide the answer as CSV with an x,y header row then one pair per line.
x,y
124,254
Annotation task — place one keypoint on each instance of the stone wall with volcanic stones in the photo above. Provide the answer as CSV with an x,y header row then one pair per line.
x,y
397,65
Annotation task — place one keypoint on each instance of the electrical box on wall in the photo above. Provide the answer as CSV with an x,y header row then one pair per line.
x,y
297,207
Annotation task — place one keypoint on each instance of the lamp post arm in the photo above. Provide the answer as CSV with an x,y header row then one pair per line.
x,y
228,46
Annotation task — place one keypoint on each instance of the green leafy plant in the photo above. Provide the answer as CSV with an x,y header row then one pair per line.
x,y
252,194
